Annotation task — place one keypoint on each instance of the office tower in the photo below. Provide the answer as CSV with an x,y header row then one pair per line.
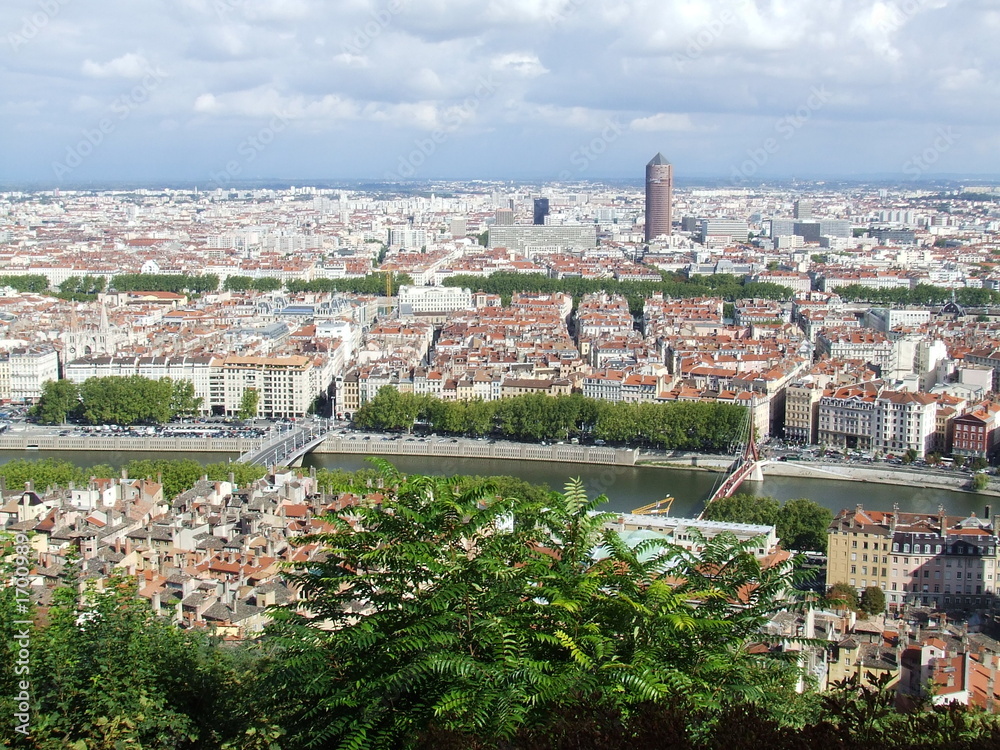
x,y
541,211
458,226
504,217
659,197
803,210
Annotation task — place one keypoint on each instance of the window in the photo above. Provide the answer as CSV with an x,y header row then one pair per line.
x,y
854,568
854,555
864,558
937,549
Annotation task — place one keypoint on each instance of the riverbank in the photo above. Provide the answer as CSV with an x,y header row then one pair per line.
x,y
848,472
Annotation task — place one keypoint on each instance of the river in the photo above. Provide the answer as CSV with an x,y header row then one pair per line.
x,y
627,487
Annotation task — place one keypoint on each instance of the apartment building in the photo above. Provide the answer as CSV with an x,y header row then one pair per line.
x,y
287,385
30,368
802,411
930,560
977,432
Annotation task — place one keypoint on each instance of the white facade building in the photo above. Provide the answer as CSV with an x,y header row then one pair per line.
x,y
433,299
30,367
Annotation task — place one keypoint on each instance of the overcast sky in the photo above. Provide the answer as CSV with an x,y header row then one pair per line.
x,y
216,91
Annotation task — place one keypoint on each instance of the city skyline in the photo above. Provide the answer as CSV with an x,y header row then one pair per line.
x,y
223,92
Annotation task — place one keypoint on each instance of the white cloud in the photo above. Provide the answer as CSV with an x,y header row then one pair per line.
x,y
662,122
206,104
522,64
129,65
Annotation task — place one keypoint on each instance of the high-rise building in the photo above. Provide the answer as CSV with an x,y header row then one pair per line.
x,y
659,197
541,211
803,210
504,217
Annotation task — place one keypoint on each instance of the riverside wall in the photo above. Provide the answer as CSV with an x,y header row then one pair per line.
x,y
480,449
333,444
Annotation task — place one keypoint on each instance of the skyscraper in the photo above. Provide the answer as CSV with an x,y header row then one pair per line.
x,y
659,197
541,211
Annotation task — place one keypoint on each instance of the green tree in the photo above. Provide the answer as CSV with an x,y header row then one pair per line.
x,y
485,614
872,601
389,410
802,525
249,403
183,402
125,401
978,463
59,400
267,284
844,593
107,673
910,456
980,482
237,283
744,508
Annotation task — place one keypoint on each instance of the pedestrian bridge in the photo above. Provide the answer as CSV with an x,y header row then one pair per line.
x,y
287,447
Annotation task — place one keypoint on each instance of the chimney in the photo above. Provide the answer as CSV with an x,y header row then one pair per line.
x,y
124,475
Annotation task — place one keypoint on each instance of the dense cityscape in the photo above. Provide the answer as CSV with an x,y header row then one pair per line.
x,y
859,323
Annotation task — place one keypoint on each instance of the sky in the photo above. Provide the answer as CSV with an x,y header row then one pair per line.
x,y
216,92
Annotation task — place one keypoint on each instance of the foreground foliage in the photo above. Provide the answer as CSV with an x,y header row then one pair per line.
x,y
455,615
484,615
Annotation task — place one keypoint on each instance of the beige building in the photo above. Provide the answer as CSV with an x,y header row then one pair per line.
x,y
802,411
287,385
